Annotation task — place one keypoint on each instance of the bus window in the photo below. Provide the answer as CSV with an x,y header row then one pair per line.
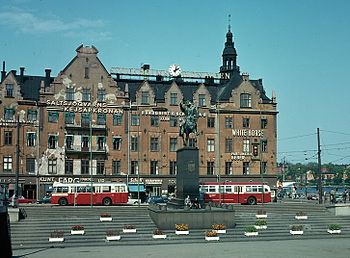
x,y
65,189
81,189
248,189
106,189
254,189
260,189
228,189
212,189
88,189
122,189
204,189
58,189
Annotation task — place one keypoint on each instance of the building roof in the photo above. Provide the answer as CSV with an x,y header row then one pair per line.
x,y
30,89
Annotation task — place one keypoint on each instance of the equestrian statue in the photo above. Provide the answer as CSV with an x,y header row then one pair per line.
x,y
188,124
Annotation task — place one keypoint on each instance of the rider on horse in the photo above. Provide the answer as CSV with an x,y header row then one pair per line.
x,y
189,122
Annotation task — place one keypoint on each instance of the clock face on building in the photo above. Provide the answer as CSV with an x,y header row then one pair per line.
x,y
174,70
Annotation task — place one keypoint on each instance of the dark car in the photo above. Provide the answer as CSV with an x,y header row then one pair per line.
x,y
45,199
157,199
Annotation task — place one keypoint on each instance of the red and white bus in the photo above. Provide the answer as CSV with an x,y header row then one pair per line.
x,y
80,193
235,192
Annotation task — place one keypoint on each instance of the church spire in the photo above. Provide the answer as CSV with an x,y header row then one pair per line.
x,y
229,55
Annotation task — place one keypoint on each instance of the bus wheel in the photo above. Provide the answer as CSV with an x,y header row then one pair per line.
x,y
63,202
107,201
251,200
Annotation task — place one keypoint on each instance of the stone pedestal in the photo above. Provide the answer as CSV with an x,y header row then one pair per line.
x,y
187,178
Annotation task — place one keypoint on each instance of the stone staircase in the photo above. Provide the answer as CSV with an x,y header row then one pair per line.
x,y
33,232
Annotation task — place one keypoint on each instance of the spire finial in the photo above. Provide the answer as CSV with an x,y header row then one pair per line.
x,y
229,22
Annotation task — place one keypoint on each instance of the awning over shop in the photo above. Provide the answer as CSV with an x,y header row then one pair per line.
x,y
134,188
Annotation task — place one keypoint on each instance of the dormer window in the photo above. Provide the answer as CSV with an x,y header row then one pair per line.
x,y
173,98
144,97
9,91
201,100
246,100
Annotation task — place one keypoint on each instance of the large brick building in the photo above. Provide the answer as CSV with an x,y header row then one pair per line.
x,y
123,125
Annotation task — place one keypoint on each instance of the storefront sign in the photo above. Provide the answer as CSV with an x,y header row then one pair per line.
x,y
135,180
153,181
247,133
84,107
166,114
239,156
50,180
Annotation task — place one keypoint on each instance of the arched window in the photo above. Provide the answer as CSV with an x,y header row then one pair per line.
x,y
246,100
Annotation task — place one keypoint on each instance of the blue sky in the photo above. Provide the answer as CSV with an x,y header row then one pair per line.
x,y
300,48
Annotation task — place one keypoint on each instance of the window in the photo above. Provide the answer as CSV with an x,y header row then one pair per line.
x,y
52,166
173,98
86,95
70,94
100,167
31,137
86,71
210,168
264,145
172,168
117,119
228,122
116,167
117,143
85,119
135,120
154,167
31,115
144,97
68,167
245,168
264,167
173,121
228,145
154,144
134,143
85,165
173,144
134,170
246,100
85,143
69,142
202,100
154,120
52,142
69,117
7,164
193,142
101,94
228,168
9,114
263,123
30,165
101,143
246,148
8,138
246,123
210,145
101,119
211,122
53,117
9,91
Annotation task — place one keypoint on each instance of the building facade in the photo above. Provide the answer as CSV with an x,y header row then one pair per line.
x,y
90,124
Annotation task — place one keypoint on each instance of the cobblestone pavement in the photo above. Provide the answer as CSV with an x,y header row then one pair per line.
x,y
321,248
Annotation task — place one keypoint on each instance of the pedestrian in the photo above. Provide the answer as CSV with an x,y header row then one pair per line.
x,y
333,196
345,195
188,201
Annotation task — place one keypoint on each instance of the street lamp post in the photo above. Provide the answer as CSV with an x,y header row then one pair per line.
x,y
91,183
260,161
15,196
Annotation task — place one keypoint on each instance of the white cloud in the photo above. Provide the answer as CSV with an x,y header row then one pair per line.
x,y
29,23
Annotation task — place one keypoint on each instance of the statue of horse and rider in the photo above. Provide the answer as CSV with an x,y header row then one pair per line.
x,y
188,124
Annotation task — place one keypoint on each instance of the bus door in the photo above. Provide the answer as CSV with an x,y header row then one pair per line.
x,y
238,191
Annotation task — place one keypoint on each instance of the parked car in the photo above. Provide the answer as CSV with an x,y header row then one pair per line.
x,y
157,199
21,199
45,199
312,197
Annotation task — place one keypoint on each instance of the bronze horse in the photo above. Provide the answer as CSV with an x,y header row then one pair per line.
x,y
189,122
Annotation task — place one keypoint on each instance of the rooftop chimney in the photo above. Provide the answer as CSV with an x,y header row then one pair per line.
x,y
47,77
14,72
3,72
21,74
